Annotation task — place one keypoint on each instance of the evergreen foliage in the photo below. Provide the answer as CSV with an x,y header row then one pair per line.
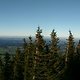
x,y
18,66
7,67
1,70
37,60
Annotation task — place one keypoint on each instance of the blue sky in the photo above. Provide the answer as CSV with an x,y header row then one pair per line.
x,y
22,17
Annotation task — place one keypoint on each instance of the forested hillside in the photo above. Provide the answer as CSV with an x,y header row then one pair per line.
x,y
39,60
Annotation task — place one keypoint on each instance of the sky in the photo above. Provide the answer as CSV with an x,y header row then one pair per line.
x,y
22,17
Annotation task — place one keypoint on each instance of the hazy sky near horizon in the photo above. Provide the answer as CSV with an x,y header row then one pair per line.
x,y
22,17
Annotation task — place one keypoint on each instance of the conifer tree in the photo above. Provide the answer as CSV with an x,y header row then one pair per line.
x,y
29,60
70,52
54,42
39,40
54,55
70,47
40,58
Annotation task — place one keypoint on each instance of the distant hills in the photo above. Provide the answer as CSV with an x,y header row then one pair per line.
x,y
18,41
9,44
10,41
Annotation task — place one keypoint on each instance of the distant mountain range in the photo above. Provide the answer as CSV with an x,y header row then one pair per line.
x,y
18,41
9,44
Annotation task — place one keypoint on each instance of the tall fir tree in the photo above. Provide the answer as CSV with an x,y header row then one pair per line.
x,y
29,60
70,47
40,58
69,59
54,42
53,56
